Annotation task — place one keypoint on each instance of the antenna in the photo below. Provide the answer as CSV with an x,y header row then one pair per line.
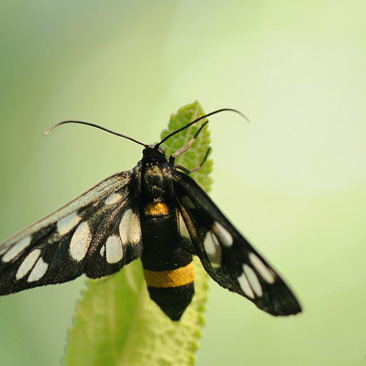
x,y
96,126
199,119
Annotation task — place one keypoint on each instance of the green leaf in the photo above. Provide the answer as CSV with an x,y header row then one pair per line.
x,y
198,150
116,323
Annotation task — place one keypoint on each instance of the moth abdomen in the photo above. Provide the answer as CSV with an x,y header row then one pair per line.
x,y
171,290
168,269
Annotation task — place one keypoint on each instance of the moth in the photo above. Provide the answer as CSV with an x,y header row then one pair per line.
x,y
155,212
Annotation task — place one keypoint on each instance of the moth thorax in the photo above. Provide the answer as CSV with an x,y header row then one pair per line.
x,y
153,182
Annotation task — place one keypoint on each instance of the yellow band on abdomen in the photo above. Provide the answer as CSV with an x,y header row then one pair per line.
x,y
174,278
156,209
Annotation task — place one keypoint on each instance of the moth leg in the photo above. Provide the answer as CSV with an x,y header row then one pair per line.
x,y
184,148
189,171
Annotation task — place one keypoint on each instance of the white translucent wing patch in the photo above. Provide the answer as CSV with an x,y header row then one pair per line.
x,y
130,228
38,271
184,235
223,234
80,242
213,249
113,198
114,249
66,224
266,273
16,249
245,286
253,280
183,231
28,263
215,238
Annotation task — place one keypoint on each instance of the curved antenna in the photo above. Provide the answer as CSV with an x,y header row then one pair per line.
x,y
199,119
96,126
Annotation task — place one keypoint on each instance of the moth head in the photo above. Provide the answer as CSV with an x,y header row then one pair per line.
x,y
153,153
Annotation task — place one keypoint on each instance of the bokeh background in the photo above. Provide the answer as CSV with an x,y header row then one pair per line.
x,y
293,180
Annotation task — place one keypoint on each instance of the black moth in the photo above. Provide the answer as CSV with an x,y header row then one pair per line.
x,y
154,211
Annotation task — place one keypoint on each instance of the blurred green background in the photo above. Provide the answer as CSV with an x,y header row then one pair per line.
x,y
293,180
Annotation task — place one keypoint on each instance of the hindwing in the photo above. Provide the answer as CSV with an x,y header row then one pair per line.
x,y
226,255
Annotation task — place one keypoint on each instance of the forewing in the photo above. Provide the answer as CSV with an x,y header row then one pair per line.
x,y
226,255
88,235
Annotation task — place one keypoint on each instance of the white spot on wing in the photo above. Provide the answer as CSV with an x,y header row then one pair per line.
x,y
224,236
245,286
113,198
114,251
38,271
80,242
129,228
263,270
16,249
67,223
213,249
183,228
28,263
253,280
102,251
